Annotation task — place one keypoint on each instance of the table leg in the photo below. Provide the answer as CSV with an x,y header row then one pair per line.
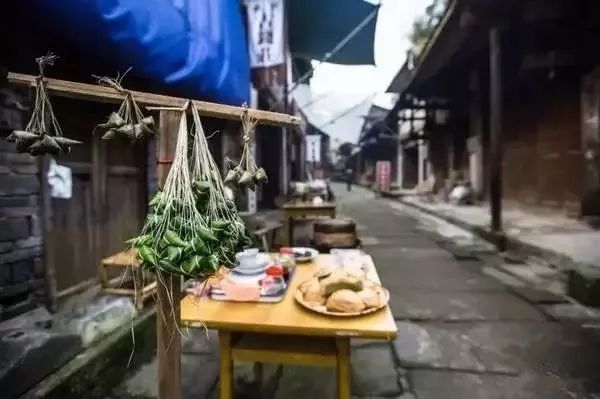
x,y
226,367
343,367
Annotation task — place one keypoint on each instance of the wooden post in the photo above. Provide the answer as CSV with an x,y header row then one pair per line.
x,y
168,340
46,213
495,130
98,178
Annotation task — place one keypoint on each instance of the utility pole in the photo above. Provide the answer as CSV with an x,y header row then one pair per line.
x,y
495,130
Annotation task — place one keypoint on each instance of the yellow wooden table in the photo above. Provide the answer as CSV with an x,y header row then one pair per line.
x,y
285,332
304,210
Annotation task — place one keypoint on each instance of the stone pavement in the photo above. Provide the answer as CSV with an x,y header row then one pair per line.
x,y
567,241
466,329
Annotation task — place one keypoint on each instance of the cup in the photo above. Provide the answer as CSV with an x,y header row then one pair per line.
x,y
251,251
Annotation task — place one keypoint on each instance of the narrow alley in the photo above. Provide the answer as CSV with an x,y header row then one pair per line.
x,y
300,199
465,329
462,333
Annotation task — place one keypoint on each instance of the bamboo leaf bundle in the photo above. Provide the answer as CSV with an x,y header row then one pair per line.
x,y
246,173
43,134
128,122
192,228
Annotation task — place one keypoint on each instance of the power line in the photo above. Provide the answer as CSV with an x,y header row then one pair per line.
x,y
313,101
346,111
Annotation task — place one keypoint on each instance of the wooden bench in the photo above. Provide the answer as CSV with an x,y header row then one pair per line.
x,y
265,236
127,261
426,189
262,229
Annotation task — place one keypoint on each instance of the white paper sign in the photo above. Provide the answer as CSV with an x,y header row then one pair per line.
x,y
313,148
265,32
60,181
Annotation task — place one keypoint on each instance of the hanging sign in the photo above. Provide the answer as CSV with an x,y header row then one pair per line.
x,y
265,32
313,148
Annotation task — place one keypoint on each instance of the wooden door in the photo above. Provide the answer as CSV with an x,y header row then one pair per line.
x,y
109,198
125,200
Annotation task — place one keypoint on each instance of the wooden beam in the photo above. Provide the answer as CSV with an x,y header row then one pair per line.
x,y
168,318
90,92
550,59
495,130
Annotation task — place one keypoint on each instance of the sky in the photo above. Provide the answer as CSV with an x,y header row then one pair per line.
x,y
335,88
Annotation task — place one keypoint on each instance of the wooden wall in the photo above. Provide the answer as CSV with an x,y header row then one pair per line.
x,y
22,279
542,147
109,198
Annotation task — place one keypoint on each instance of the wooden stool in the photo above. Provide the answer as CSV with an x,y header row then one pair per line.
x,y
127,260
335,233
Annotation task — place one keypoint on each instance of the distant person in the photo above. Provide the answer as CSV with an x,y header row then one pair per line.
x,y
349,178
330,195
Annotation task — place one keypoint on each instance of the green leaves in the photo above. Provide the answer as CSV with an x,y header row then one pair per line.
x,y
147,255
199,247
173,238
192,235
205,234
139,241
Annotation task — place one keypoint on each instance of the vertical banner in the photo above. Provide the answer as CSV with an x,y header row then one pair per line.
x,y
313,148
382,175
265,32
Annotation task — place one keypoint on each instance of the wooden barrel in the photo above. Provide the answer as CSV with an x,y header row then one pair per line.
x,y
335,233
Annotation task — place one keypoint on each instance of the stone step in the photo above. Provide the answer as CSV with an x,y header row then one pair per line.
x,y
584,286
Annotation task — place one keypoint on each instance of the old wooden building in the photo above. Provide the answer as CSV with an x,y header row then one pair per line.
x,y
51,247
511,92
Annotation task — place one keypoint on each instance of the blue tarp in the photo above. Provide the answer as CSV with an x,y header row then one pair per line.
x,y
196,47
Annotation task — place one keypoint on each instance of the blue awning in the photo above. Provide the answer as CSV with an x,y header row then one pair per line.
x,y
317,26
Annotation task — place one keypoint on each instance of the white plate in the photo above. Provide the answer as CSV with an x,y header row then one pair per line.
x,y
302,259
248,272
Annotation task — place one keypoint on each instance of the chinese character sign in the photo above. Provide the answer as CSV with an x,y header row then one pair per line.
x,y
265,32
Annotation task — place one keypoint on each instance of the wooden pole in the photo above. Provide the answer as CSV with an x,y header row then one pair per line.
x,y
49,267
90,92
99,180
285,133
168,340
495,130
